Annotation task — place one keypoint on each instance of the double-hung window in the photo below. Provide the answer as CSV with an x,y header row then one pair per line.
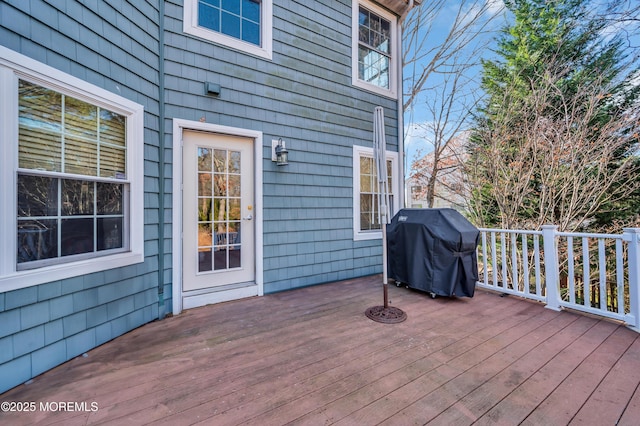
x,y
239,24
70,202
366,214
374,49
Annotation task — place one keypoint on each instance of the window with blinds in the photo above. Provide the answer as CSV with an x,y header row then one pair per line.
x,y
72,179
366,214
370,193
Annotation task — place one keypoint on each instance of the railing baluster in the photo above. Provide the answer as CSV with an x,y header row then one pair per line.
x,y
536,254
503,256
484,257
633,238
602,265
551,266
525,263
620,276
586,278
494,259
514,261
571,278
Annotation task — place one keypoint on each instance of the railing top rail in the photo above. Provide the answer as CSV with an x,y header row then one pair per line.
x,y
510,231
558,234
589,235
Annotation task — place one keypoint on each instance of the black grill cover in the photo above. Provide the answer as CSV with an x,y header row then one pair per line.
x,y
433,250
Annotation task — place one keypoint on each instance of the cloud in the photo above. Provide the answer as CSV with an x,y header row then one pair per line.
x,y
495,7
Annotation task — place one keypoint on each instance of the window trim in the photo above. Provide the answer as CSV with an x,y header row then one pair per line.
x,y
15,66
363,151
190,26
392,91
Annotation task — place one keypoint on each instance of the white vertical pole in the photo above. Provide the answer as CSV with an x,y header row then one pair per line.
x,y
379,147
632,236
552,283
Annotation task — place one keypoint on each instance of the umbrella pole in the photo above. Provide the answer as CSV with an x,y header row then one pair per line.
x,y
384,314
385,277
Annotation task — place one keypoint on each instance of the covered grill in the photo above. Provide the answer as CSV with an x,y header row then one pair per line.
x,y
433,250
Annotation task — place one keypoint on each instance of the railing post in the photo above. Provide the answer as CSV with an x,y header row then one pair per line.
x,y
632,236
552,283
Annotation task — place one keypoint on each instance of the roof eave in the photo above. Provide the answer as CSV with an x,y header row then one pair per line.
x,y
399,7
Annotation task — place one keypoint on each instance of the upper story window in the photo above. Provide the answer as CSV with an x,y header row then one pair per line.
x,y
374,56
71,167
240,24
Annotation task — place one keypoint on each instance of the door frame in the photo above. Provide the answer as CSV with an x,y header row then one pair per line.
x,y
179,126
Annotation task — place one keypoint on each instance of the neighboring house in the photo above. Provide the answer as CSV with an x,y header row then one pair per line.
x,y
450,188
136,141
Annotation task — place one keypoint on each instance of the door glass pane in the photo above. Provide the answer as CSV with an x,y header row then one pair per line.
x,y
220,161
204,235
234,233
220,184
219,258
204,260
234,256
220,234
204,184
234,185
204,159
220,209
204,209
234,209
234,162
204,247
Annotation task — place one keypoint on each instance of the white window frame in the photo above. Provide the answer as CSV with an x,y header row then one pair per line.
x,y
395,190
393,63
190,26
14,66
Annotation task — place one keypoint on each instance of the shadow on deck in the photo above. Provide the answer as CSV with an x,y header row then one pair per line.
x,y
310,356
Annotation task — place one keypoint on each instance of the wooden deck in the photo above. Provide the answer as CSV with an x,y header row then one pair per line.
x,y
310,356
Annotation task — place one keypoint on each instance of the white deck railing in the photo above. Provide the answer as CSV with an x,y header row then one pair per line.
x,y
594,273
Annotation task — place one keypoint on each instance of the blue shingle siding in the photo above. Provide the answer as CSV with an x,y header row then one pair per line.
x,y
303,95
114,45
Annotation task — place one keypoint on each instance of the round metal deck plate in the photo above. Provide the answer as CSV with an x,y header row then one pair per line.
x,y
388,315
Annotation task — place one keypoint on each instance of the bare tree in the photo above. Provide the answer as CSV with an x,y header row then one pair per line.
x,y
560,167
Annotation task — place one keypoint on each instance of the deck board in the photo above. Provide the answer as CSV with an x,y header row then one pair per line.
x,y
311,357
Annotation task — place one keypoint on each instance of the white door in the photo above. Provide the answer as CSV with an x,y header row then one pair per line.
x,y
218,227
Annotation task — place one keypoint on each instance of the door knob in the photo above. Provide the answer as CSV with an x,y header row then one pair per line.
x,y
249,217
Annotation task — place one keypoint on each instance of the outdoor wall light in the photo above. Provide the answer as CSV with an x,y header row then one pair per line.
x,y
279,152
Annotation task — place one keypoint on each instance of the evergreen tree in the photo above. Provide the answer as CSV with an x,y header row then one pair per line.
x,y
560,104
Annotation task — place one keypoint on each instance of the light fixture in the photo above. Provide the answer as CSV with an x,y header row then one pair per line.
x,y
279,152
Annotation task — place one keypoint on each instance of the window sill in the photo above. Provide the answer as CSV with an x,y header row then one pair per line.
x,y
363,236
28,278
